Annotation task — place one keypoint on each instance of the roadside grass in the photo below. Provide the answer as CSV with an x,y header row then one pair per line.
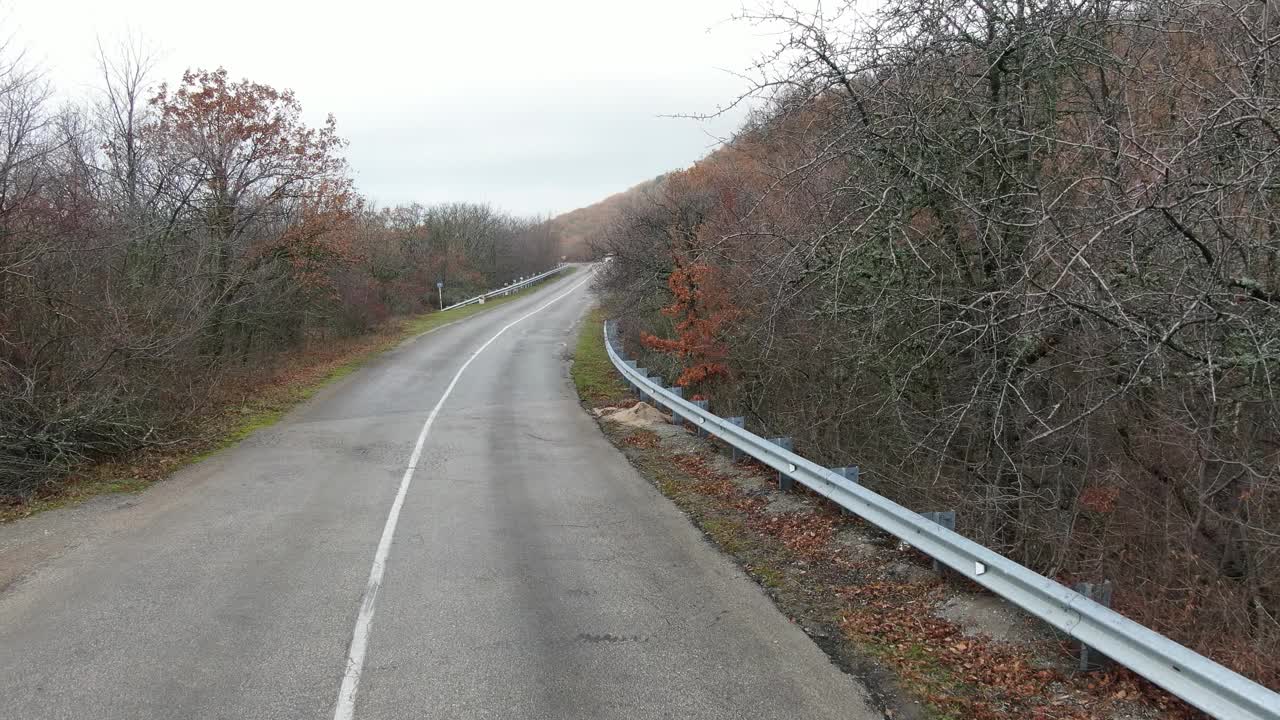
x,y
246,407
593,373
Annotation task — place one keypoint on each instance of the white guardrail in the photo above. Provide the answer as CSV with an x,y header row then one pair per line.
x,y
1196,679
508,289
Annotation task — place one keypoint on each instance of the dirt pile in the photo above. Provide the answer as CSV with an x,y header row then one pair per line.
x,y
641,414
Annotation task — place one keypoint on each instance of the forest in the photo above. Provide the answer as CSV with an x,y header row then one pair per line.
x,y
160,239
1019,259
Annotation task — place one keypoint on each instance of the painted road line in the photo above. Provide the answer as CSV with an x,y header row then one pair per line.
x,y
346,705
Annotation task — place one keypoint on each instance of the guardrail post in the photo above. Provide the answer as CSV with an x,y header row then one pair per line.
x,y
635,388
741,422
704,405
1091,659
850,473
678,392
947,519
644,373
785,482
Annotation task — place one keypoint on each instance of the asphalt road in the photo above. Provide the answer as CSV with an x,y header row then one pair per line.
x,y
531,572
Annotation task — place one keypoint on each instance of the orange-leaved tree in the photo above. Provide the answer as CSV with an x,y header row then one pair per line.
x,y
246,165
318,239
702,309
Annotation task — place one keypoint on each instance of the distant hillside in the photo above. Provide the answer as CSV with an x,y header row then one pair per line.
x,y
576,229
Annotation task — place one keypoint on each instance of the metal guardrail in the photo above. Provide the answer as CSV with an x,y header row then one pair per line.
x,y
1196,679
507,289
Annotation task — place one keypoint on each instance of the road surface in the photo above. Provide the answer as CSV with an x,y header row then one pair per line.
x,y
529,572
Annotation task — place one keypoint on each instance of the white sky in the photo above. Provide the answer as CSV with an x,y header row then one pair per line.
x,y
534,106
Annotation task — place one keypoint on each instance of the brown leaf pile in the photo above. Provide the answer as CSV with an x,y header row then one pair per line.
x,y
641,439
806,534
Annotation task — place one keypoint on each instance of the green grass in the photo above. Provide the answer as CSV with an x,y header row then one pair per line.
x,y
255,416
728,533
236,424
594,375
769,576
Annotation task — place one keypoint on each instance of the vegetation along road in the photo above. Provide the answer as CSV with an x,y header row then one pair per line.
x,y
1012,268
520,567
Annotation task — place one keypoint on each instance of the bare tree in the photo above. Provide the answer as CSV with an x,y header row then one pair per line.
x,y
1017,258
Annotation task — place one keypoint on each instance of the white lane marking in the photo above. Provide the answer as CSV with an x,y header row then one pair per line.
x,y
346,706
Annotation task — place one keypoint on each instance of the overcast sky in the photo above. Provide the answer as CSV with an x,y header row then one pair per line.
x,y
536,107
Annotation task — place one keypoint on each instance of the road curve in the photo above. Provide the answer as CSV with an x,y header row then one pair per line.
x,y
531,572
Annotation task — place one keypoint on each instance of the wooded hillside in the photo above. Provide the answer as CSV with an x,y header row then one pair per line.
x,y
577,230
1021,260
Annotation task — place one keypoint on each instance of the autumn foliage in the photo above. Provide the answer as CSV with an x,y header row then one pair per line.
x,y
158,243
701,311
1019,261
